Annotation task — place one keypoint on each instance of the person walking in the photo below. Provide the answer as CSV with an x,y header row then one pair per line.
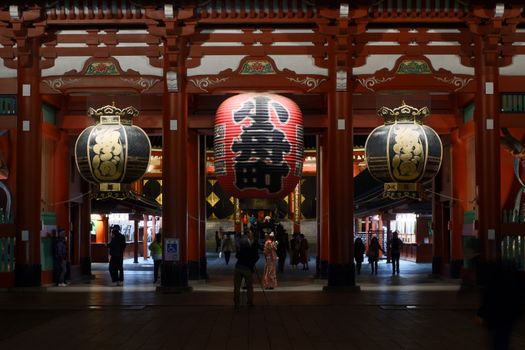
x,y
247,256
394,248
155,248
227,247
60,257
270,254
303,251
116,246
359,250
373,254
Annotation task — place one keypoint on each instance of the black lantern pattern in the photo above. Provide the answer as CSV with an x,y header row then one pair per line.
x,y
114,151
403,153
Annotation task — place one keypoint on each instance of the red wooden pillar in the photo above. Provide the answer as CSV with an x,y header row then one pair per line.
x,y
145,237
136,219
193,204
323,190
82,235
460,174
29,166
153,227
486,119
341,272
61,181
203,262
174,177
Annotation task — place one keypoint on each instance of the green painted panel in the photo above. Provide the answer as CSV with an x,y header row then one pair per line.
x,y
46,253
49,114
49,218
468,112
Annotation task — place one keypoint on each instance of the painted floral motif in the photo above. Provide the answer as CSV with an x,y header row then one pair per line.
x,y
257,67
413,67
102,68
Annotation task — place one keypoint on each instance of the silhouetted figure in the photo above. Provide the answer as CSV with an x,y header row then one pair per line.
x,y
394,247
217,242
294,250
283,246
60,256
373,254
116,246
247,256
359,251
303,251
227,247
502,303
156,253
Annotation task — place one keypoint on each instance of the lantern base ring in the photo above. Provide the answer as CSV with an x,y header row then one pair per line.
x,y
108,186
399,190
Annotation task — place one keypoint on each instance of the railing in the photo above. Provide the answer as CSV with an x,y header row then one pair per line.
x,y
512,102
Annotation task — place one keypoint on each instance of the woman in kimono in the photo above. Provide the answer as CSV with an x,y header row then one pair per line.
x,y
270,254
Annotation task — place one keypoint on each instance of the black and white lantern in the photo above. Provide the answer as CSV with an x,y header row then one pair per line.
x,y
403,153
112,152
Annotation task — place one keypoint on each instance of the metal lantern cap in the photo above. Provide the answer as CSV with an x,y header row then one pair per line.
x,y
110,114
403,113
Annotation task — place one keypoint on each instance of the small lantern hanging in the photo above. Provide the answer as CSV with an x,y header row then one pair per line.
x,y
112,152
403,153
258,145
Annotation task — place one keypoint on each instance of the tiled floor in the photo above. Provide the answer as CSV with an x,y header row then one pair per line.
x,y
412,311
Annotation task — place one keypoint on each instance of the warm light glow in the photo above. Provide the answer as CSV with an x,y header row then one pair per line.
x,y
96,217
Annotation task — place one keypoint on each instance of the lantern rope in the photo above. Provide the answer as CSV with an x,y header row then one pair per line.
x,y
450,197
72,199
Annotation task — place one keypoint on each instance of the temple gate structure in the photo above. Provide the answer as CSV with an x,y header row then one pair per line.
x,y
339,61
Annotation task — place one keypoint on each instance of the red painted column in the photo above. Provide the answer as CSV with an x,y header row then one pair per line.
x,y
460,174
61,191
29,167
83,233
153,227
174,180
341,272
487,131
193,204
136,219
145,250
323,190
203,262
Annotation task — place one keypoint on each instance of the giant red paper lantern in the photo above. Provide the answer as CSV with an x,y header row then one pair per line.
x,y
258,145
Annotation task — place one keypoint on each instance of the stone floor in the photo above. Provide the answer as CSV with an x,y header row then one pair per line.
x,y
410,311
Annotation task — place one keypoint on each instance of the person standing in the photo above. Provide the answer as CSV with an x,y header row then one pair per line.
x,y
373,253
60,258
156,253
283,247
394,247
359,250
217,242
116,246
270,254
227,247
303,251
247,256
